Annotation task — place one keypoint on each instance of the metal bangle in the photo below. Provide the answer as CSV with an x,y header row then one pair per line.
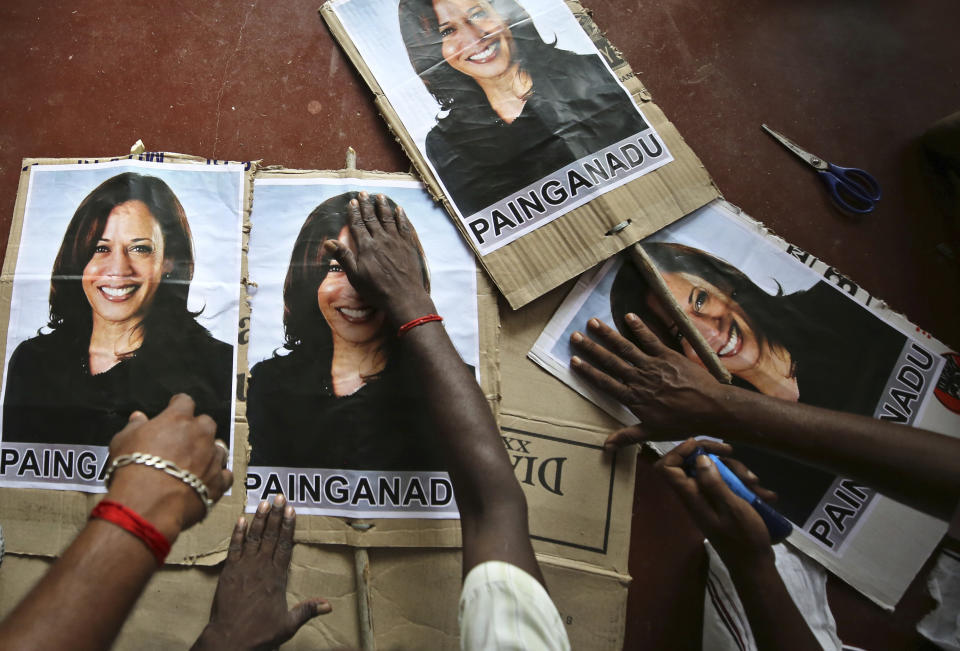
x,y
168,467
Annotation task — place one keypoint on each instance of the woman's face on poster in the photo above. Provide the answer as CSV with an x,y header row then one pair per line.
x,y
127,265
348,315
474,39
718,317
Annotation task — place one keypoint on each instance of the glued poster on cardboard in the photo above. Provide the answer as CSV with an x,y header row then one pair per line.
x,y
787,325
337,421
510,112
122,282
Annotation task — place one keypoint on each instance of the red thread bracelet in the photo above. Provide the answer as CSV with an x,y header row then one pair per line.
x,y
410,325
126,518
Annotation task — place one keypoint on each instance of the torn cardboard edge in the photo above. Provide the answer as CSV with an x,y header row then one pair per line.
x,y
546,257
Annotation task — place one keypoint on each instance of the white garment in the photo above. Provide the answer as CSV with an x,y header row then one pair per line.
x,y
503,607
725,625
942,625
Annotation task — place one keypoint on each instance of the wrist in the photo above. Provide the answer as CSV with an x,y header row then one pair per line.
x,y
161,500
412,307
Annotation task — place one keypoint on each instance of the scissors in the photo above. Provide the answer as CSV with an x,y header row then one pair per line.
x,y
851,189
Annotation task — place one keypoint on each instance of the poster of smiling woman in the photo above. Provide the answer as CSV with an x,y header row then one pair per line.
x,y
511,109
125,292
336,420
787,325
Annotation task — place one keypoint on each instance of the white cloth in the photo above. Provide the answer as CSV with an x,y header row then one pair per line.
x,y
725,625
942,625
503,607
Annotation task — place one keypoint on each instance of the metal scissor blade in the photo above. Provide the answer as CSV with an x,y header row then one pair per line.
x,y
814,161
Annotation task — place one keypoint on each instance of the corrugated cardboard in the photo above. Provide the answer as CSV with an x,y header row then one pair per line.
x,y
564,248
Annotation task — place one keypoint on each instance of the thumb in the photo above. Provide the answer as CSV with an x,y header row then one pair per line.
x,y
625,436
343,255
302,613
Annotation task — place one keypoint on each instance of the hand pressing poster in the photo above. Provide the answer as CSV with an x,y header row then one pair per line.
x,y
787,325
515,111
125,292
337,420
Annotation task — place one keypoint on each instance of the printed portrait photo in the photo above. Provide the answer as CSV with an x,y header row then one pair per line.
x,y
126,292
329,385
516,112
777,326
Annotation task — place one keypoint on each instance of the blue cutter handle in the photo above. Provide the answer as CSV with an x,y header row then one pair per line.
x,y
851,188
777,526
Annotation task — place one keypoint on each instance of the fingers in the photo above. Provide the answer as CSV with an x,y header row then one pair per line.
x,y
226,481
600,357
343,255
235,550
271,530
636,434
181,403
302,613
403,224
368,213
676,456
616,343
648,342
712,486
255,532
601,380
137,417
281,557
749,479
358,226
625,436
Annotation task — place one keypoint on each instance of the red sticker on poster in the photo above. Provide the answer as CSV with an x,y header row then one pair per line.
x,y
948,386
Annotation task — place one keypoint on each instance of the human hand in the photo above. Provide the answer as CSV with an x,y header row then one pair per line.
x,y
667,391
176,435
385,269
250,606
733,526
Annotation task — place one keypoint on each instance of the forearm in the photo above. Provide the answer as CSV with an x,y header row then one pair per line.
x,y
919,467
492,505
90,590
474,452
774,618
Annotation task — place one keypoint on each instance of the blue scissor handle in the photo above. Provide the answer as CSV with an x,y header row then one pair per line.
x,y
851,188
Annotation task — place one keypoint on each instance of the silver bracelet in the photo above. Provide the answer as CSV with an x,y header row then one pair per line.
x,y
168,467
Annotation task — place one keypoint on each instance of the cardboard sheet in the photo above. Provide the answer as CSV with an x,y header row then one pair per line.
x,y
544,188
215,197
838,348
414,598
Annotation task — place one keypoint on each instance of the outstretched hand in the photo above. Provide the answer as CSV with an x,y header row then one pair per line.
x,y
250,606
385,269
733,526
668,392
